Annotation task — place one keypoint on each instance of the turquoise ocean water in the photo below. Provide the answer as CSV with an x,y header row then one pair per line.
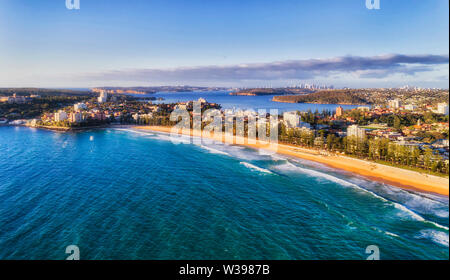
x,y
126,194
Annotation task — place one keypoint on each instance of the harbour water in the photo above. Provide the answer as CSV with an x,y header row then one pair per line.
x,y
127,194
228,101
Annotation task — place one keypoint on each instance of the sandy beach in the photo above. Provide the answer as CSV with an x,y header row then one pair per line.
x,y
399,177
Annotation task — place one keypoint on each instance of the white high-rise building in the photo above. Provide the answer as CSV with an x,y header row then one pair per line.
x,y
292,119
103,97
75,117
394,104
79,107
364,108
442,108
410,107
60,116
356,131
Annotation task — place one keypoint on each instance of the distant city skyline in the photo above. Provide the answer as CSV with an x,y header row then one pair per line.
x,y
226,43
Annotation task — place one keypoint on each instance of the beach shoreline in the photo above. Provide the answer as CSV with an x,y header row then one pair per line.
x,y
402,178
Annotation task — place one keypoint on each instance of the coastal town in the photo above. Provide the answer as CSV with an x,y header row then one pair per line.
x,y
397,133
225,139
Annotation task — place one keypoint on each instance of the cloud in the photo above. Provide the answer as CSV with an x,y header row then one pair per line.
x,y
373,67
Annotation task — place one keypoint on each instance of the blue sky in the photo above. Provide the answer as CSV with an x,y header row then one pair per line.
x,y
229,43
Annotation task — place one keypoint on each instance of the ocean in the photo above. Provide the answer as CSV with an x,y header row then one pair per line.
x,y
128,194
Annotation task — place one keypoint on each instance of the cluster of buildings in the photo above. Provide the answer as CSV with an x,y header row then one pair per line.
x,y
409,136
442,108
119,91
110,109
405,95
62,115
189,105
439,127
17,99
106,108
395,105
80,112
313,86
341,124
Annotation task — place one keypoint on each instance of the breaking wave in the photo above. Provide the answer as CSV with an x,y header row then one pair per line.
x,y
213,150
256,168
438,237
317,174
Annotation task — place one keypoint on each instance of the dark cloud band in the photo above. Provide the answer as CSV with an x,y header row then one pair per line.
x,y
369,67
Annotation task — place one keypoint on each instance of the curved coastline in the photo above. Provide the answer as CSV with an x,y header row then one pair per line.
x,y
406,179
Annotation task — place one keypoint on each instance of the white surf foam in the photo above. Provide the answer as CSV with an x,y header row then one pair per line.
x,y
385,232
417,216
391,234
256,168
178,138
291,167
419,202
313,173
434,235
242,153
213,150
135,131
175,138
277,158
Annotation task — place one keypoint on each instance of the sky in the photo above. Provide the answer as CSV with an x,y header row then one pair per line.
x,y
224,43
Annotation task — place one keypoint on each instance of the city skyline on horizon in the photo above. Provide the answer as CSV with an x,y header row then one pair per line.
x,y
229,44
